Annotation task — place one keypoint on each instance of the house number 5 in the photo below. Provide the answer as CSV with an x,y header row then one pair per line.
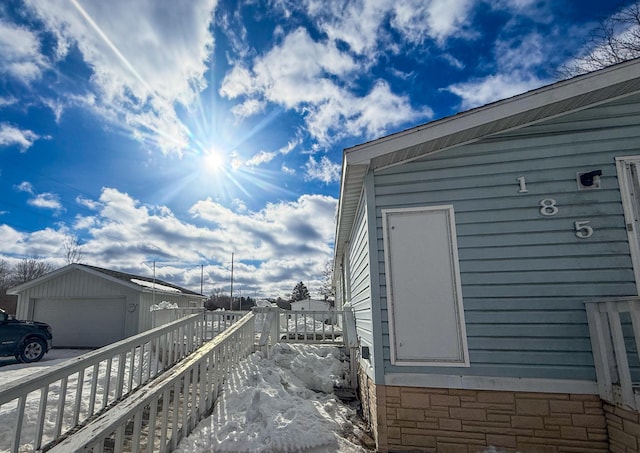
x,y
583,231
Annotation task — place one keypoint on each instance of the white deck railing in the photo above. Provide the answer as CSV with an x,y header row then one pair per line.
x,y
304,326
160,414
608,321
69,394
215,321
158,411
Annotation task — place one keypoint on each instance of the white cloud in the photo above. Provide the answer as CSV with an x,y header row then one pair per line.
x,y
516,63
287,170
325,170
248,108
20,55
304,75
357,23
6,101
262,157
361,23
87,203
11,135
146,57
274,247
25,186
492,88
442,18
46,200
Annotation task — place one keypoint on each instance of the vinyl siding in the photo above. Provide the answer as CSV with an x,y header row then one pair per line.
x,y
78,285
360,278
525,276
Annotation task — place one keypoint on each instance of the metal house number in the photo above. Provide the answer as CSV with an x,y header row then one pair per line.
x,y
548,208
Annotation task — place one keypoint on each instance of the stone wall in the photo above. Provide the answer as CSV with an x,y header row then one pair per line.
x,y
368,400
624,429
412,419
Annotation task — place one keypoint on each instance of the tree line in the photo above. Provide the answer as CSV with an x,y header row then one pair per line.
x,y
21,272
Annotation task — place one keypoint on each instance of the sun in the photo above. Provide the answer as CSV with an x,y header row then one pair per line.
x,y
213,161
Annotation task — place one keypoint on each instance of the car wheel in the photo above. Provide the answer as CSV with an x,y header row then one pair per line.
x,y
32,350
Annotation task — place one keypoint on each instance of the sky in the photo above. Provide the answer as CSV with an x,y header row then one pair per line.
x,y
178,135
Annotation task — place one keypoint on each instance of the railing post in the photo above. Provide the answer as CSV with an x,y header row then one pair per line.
x,y
620,350
599,333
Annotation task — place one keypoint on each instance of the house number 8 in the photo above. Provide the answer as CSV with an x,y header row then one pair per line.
x,y
548,207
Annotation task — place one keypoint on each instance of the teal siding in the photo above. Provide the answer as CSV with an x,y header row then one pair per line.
x,y
360,277
525,276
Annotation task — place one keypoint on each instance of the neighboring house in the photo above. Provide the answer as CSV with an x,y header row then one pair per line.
x,y
467,248
89,306
310,305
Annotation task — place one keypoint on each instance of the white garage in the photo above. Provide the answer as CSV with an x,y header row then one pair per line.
x,y
90,307
87,323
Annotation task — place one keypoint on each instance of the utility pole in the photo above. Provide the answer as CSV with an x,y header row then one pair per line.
x,y
201,277
153,293
231,297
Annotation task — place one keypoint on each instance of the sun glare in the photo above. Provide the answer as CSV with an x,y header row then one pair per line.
x,y
213,161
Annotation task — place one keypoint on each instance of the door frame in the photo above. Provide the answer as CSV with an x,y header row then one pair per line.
x,y
631,211
462,359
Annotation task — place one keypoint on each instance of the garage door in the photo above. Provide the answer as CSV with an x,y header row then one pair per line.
x,y
82,323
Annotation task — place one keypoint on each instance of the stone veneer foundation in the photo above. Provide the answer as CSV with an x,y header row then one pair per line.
x,y
624,429
415,419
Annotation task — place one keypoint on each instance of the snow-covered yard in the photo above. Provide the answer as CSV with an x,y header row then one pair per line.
x,y
281,403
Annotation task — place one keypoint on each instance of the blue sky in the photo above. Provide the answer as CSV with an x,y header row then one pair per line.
x,y
183,132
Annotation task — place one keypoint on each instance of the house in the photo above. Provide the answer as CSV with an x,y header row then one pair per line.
x,y
467,248
89,306
310,305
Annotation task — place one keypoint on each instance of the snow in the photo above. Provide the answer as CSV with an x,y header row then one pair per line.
x,y
164,305
281,403
155,286
11,369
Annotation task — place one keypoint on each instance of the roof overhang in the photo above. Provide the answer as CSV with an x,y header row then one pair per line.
x,y
544,103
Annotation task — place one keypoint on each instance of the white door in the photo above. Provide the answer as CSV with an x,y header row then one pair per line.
x,y
82,323
426,317
629,181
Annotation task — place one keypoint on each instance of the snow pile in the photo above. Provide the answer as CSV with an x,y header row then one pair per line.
x,y
283,403
301,324
163,305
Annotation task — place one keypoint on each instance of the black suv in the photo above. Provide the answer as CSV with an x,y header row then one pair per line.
x,y
28,341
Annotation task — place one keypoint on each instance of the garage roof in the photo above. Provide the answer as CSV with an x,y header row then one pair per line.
x,y
139,282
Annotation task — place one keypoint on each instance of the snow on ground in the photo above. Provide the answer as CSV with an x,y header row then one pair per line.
x,y
14,371
11,369
281,403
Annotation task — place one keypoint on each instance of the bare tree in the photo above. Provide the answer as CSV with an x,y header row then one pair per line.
x,y
5,276
72,249
614,40
327,289
29,269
